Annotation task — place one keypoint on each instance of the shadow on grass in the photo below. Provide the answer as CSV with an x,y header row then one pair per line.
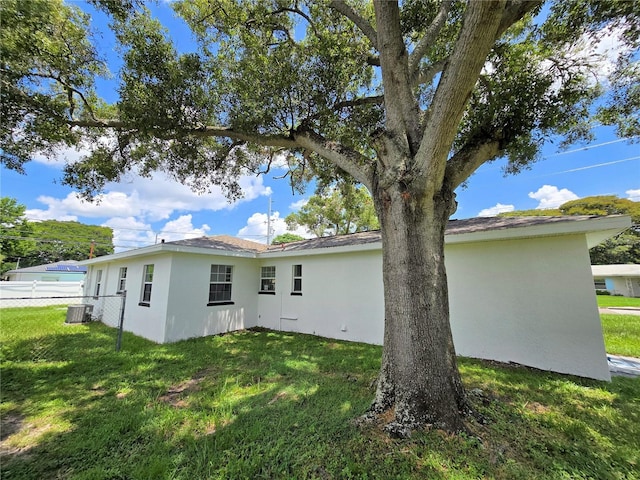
x,y
261,404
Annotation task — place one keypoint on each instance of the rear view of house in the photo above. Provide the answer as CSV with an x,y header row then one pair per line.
x,y
520,289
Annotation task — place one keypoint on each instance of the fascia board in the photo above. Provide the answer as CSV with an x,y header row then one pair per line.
x,y
164,248
321,251
596,229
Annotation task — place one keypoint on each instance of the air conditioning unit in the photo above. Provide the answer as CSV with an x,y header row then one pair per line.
x,y
79,313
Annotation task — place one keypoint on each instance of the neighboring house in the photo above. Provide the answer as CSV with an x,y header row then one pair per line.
x,y
64,271
520,289
617,279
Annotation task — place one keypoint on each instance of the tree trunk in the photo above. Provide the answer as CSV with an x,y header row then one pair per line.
x,y
419,378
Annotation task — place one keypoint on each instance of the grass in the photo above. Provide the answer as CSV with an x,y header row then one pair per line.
x,y
621,334
260,404
605,301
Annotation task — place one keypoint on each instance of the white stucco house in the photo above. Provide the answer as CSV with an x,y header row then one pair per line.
x,y
617,279
521,289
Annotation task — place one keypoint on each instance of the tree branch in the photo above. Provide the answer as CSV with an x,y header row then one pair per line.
x,y
428,38
365,27
349,160
514,11
427,75
476,39
403,120
467,160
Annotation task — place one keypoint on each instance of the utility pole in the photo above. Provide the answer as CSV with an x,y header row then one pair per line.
x,y
269,223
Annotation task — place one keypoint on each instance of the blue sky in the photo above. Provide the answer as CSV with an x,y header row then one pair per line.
x,y
143,211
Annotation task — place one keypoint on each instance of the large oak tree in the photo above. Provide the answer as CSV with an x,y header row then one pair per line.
x,y
407,100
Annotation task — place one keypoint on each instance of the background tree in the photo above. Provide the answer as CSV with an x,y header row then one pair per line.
x,y
340,210
55,241
286,238
623,248
407,100
14,229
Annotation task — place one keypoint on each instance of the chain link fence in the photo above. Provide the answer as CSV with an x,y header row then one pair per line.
x,y
108,309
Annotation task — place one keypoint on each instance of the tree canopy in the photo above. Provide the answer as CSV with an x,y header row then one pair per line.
x,y
343,210
624,248
407,99
48,241
14,228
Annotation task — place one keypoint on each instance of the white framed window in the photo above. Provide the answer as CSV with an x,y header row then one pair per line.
x,y
296,284
147,283
268,280
96,290
600,283
220,284
122,279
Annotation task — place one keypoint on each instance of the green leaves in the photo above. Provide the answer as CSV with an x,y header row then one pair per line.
x,y
48,68
338,211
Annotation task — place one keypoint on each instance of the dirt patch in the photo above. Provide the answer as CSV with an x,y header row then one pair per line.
x,y
10,424
175,394
536,407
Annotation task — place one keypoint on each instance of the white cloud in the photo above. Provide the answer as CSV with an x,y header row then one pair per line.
x,y
71,207
256,228
129,232
550,196
493,211
148,199
295,206
634,195
182,228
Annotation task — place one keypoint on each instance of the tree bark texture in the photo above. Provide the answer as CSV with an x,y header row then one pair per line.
x,y
419,378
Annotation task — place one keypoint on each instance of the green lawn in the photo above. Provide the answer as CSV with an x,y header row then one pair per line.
x,y
261,404
617,301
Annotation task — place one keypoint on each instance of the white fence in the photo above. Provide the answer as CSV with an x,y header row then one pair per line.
x,y
19,294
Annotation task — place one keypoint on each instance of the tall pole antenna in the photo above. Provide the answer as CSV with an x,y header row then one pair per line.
x,y
269,223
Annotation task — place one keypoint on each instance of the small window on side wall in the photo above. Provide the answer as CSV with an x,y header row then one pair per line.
x,y
147,283
96,291
296,287
220,285
268,280
122,279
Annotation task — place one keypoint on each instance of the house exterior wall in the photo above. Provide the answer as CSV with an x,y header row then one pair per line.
x,y
625,286
188,314
146,321
527,301
342,296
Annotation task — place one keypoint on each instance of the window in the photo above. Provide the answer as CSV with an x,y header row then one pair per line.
x,y
147,281
96,292
220,284
297,280
122,279
600,284
268,280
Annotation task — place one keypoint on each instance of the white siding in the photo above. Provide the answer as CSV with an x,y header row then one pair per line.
x,y
342,296
527,301
188,314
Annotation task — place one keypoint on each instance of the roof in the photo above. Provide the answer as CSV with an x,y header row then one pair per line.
x,y
480,229
471,228
221,242
627,270
64,266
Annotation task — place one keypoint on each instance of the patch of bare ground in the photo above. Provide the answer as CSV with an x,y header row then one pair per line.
x,y
176,393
